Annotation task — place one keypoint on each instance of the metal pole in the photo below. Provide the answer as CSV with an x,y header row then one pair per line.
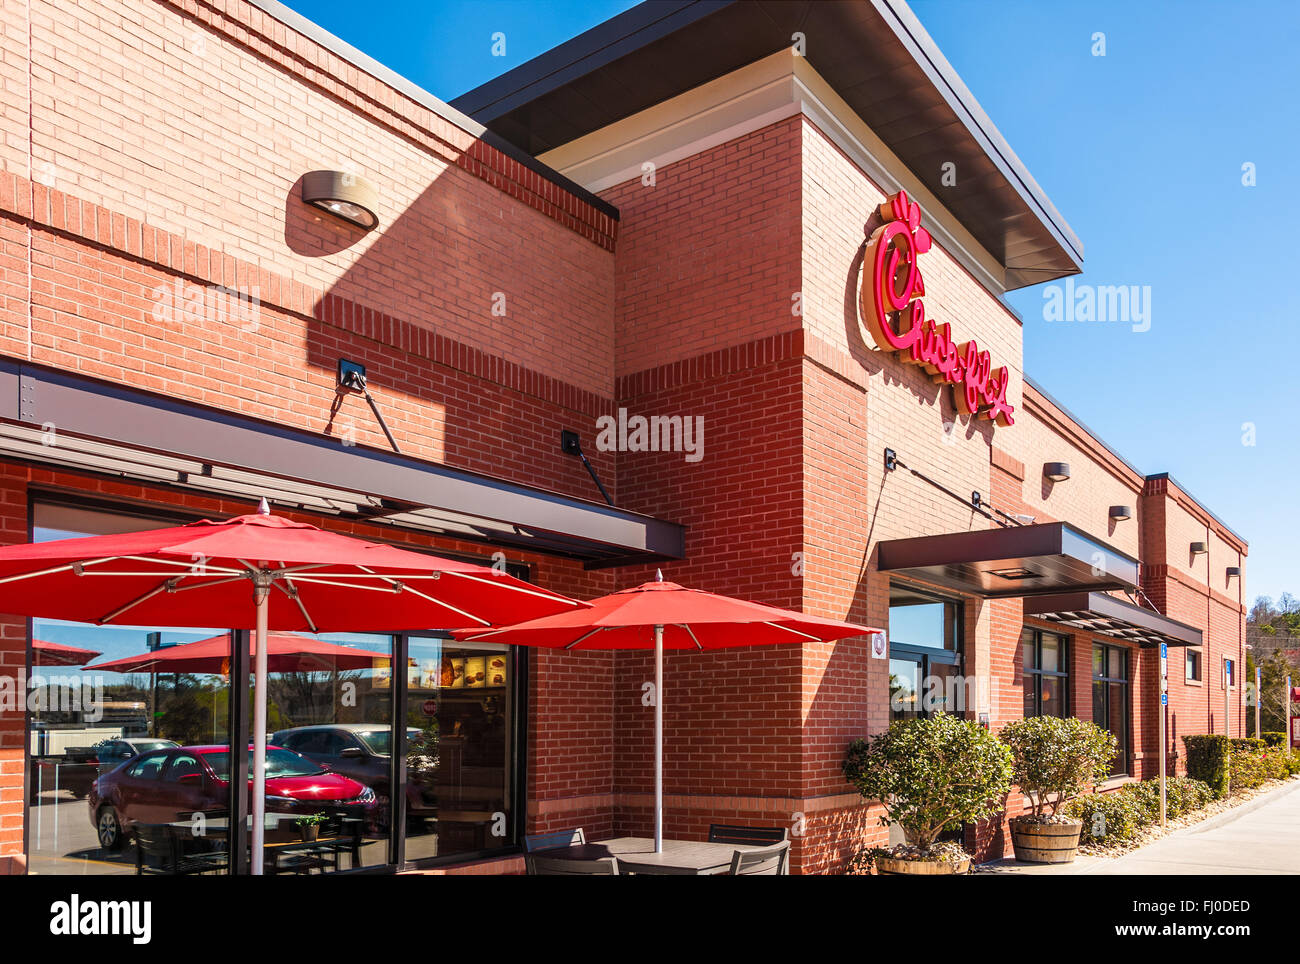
x,y
261,593
1163,708
1258,678
1286,719
659,739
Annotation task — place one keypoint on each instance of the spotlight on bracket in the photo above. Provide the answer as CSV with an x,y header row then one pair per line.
x,y
347,196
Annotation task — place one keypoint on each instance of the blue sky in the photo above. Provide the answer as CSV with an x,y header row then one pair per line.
x,y
1142,151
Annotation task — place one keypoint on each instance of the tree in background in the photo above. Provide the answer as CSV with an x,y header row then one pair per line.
x,y
1273,638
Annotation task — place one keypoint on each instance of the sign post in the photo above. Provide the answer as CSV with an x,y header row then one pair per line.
x,y
1286,719
1227,670
1164,710
1258,735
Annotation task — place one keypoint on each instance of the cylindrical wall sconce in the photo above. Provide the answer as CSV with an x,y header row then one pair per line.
x,y
1121,512
344,195
1056,471
1198,548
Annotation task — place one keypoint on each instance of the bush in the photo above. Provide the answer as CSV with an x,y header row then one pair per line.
x,y
1182,795
1274,737
1249,743
1109,819
1054,759
931,774
1248,769
1208,756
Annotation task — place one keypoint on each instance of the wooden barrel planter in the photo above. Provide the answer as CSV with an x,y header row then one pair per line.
x,y
895,865
1045,843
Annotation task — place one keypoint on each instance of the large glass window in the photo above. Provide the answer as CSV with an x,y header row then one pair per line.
x,y
924,655
1110,699
1046,662
460,763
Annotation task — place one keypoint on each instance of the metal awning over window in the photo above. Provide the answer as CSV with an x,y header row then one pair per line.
x,y
1050,557
50,417
1097,612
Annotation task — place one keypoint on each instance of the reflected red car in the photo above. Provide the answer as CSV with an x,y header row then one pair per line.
x,y
167,786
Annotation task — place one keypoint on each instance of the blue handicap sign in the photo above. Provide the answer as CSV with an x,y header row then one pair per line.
x,y
1164,650
1164,699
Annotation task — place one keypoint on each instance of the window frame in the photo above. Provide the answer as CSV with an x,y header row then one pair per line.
x,y
1036,671
927,655
1124,750
1200,665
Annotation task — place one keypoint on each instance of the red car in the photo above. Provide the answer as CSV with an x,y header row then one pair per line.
x,y
166,786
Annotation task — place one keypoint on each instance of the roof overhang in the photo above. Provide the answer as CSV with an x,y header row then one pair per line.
x,y
55,418
875,55
1096,612
1050,557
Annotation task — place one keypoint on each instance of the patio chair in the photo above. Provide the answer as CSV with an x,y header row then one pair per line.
x,y
765,862
538,866
554,839
726,833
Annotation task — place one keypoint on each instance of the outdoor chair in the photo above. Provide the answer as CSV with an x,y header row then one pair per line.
x,y
725,833
162,849
767,862
346,834
558,866
554,839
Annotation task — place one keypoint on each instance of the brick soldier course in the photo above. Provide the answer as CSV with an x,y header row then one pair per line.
x,y
153,148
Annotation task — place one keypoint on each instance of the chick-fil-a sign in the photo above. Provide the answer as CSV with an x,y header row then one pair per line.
x,y
895,314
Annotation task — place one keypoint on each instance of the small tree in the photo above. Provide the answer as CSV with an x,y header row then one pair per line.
x,y
931,774
1055,759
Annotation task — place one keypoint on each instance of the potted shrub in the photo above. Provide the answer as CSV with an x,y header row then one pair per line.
x,y
931,775
309,826
1054,761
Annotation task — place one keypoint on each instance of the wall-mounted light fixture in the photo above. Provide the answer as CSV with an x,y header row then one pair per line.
x,y
1056,471
1121,512
344,195
1234,571
1198,548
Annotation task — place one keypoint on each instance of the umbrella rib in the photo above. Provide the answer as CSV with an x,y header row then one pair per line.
x,y
795,631
162,587
436,602
292,593
524,589
690,632
194,566
584,637
67,567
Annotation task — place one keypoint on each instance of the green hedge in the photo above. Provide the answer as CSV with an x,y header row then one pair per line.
x,y
1274,737
1209,758
1249,743
1116,816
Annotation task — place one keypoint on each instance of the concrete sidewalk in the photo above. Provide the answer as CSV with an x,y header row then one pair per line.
x,y
1258,837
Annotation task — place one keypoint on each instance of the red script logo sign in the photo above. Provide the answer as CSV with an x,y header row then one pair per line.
x,y
895,313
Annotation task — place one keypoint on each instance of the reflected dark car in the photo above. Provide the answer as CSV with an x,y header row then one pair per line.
x,y
76,768
362,751
167,786
111,753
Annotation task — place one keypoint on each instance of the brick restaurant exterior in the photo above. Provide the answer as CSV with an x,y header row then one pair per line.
x,y
156,146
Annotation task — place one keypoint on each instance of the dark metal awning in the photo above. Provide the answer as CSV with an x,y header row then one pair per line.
x,y
1096,612
1050,557
51,417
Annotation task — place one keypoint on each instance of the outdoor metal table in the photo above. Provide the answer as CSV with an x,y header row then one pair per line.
x,y
636,855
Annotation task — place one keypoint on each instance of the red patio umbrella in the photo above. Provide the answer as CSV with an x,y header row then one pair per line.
x,y
46,653
300,577
285,653
663,615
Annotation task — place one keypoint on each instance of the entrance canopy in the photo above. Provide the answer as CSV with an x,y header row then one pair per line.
x,y
51,417
1099,613
1050,557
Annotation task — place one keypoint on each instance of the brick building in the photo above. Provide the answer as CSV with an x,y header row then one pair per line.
x,y
671,215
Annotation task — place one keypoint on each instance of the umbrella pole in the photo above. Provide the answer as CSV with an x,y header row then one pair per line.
x,y
262,597
659,739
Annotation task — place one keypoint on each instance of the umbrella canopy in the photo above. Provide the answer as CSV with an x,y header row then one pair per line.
x,y
259,571
285,653
689,618
663,615
46,653
198,574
